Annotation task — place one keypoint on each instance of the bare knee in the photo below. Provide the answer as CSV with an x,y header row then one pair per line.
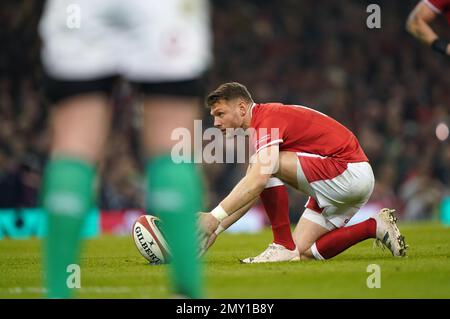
x,y
305,254
80,126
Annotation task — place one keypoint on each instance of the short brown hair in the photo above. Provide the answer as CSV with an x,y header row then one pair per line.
x,y
228,91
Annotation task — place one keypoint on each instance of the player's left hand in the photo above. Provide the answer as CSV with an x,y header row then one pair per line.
x,y
208,224
205,231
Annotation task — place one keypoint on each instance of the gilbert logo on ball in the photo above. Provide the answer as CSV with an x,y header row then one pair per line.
x,y
149,240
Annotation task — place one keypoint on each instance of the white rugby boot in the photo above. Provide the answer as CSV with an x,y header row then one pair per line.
x,y
388,234
273,253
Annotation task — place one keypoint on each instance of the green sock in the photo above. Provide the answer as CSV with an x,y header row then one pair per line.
x,y
175,195
67,197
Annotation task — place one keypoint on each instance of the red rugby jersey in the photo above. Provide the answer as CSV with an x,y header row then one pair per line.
x,y
301,129
440,7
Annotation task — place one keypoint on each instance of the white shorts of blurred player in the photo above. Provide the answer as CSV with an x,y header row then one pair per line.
x,y
334,201
142,40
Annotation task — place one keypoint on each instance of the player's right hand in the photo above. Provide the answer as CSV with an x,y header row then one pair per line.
x,y
205,242
208,243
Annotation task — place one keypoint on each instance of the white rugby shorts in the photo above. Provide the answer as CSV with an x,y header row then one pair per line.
x,y
142,40
334,200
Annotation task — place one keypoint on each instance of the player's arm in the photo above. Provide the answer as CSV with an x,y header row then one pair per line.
x,y
418,24
225,224
265,164
230,220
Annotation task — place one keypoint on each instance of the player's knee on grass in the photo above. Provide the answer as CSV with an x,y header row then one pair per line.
x,y
308,231
306,254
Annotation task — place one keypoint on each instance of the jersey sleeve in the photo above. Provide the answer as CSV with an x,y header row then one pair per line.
x,y
268,132
437,6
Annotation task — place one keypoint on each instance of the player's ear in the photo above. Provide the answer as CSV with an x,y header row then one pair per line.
x,y
242,107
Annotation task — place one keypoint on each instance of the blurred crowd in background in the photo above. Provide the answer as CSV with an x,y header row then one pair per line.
x,y
391,91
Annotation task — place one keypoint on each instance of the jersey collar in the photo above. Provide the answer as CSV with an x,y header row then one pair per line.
x,y
251,109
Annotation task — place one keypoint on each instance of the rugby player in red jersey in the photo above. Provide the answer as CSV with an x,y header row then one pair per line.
x,y
419,20
316,155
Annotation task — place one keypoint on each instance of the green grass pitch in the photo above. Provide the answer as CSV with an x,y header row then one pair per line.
x,y
111,267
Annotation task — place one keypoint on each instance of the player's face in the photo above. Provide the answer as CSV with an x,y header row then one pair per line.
x,y
227,114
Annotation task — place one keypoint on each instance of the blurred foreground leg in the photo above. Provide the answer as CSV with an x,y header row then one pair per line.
x,y
80,125
175,191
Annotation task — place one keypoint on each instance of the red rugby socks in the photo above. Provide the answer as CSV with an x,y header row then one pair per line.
x,y
276,203
338,240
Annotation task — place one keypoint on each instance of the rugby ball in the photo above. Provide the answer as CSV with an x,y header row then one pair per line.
x,y
149,240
